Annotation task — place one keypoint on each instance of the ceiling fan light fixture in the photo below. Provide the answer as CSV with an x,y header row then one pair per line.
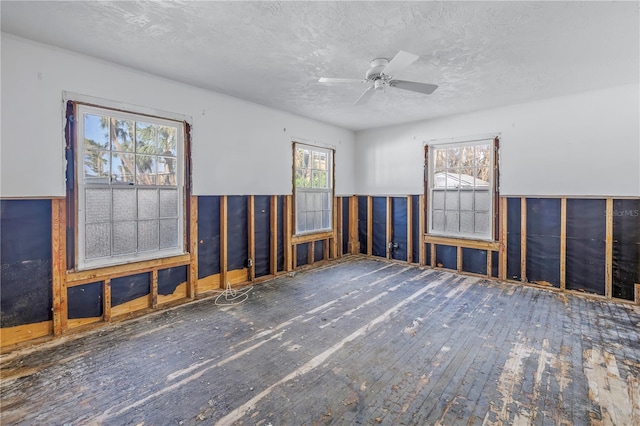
x,y
378,84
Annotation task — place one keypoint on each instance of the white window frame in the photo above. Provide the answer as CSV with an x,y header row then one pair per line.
x,y
84,263
489,234
300,193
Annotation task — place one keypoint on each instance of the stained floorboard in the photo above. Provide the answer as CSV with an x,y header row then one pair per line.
x,y
355,342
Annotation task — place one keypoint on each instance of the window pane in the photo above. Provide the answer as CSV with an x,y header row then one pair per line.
x,y
146,138
317,201
452,219
319,160
483,200
168,233
310,221
124,204
466,178
466,200
453,157
301,202
148,235
169,203
167,140
453,178
97,205
147,204
96,132
440,158
298,158
326,201
440,179
96,167
326,219
317,222
451,200
97,240
482,223
121,135
167,171
483,155
122,168
466,222
482,176
438,200
124,237
467,156
146,169
319,179
438,220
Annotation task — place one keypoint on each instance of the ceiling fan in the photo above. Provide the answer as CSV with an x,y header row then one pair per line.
x,y
380,75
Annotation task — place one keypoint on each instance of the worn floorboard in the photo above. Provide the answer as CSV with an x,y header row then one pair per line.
x,y
356,342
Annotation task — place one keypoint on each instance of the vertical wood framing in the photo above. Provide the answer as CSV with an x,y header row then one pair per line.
x,y
223,241
432,247
369,226
637,293
289,251
294,255
59,265
502,266
251,220
354,244
609,249
563,244
389,229
422,252
336,223
273,224
523,239
154,289
409,229
106,300
459,259
192,279
311,252
327,243
489,263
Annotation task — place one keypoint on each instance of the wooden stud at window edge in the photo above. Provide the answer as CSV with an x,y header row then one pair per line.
x,y
274,235
106,300
433,255
369,225
251,236
523,239
59,257
192,286
354,244
389,235
409,229
340,228
334,253
311,252
289,251
422,250
459,259
609,249
329,242
563,244
502,266
294,255
154,289
489,263
223,241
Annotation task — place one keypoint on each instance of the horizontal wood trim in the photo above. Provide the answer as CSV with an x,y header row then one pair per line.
x,y
79,322
301,239
138,304
179,293
100,274
210,283
238,276
21,333
461,242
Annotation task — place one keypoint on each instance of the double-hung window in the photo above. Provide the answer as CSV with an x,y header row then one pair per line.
x,y
313,186
130,187
460,189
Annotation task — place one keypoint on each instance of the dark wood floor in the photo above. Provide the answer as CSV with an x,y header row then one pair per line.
x,y
355,342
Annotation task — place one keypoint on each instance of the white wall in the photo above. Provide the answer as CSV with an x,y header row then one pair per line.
x,y
581,145
237,147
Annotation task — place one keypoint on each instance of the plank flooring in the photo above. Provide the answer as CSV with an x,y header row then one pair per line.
x,y
359,341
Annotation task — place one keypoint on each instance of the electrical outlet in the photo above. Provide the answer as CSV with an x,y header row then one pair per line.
x,y
249,263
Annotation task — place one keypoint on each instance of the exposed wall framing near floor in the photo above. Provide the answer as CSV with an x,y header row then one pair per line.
x,y
575,245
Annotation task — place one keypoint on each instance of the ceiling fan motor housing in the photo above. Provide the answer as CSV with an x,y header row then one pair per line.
x,y
377,65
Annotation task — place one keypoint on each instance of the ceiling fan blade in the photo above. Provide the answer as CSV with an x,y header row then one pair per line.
x,y
366,95
340,80
414,86
401,60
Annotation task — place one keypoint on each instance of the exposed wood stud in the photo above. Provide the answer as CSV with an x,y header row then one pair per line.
x,y
609,248
327,243
474,244
294,255
637,293
389,228
289,251
489,263
369,225
502,266
223,241
354,244
563,244
273,264
433,255
422,252
523,239
154,289
410,229
192,279
459,259
106,300
251,234
311,252
334,253
299,239
59,265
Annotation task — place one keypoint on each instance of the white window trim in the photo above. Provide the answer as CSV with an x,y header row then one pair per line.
x,y
85,264
476,140
330,190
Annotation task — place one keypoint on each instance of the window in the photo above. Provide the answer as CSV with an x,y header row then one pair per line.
x,y
460,189
313,184
130,187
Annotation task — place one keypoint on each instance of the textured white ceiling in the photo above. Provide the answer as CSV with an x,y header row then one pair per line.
x,y
481,54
